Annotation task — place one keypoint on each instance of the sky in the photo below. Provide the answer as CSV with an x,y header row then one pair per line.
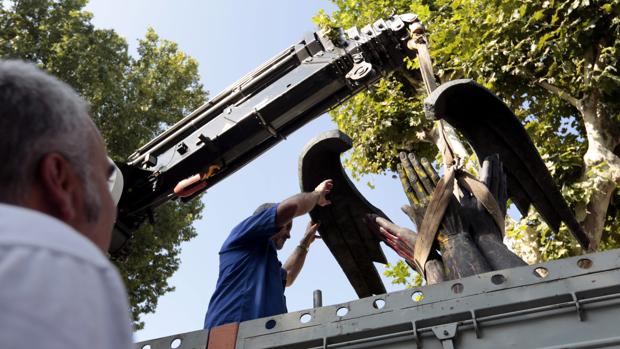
x,y
229,39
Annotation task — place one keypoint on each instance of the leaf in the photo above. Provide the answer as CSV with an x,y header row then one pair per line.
x,y
538,15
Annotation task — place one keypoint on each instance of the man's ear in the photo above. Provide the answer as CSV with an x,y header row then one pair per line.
x,y
60,186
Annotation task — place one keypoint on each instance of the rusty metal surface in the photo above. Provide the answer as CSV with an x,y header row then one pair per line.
x,y
342,223
491,128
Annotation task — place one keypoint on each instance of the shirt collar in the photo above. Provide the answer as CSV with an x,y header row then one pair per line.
x,y
23,226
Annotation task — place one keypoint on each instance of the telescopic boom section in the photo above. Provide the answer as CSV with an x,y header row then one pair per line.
x,y
261,109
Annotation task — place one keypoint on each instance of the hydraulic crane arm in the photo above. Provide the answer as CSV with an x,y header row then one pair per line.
x,y
258,111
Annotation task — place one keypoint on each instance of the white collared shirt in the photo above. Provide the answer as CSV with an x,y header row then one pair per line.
x,y
57,290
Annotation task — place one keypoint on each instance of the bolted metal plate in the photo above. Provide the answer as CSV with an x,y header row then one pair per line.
x,y
189,340
576,305
570,303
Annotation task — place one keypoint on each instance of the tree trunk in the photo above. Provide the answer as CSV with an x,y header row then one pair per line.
x,y
602,166
528,246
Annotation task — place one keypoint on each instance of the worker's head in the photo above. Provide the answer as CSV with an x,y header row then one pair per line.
x,y
283,234
53,157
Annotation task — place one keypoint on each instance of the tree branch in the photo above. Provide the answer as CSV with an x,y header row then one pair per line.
x,y
560,93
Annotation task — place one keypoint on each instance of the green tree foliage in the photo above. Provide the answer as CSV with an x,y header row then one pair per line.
x,y
389,117
555,63
132,100
401,274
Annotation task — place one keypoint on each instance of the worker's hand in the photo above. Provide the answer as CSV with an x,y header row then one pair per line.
x,y
324,189
310,235
401,240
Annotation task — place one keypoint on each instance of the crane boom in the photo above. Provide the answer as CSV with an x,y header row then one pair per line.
x,y
258,111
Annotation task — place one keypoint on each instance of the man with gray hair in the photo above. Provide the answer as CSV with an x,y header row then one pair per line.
x,y
56,216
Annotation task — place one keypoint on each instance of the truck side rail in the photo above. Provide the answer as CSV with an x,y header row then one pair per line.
x,y
569,303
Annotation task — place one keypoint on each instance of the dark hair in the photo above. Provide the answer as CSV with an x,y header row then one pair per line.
x,y
263,207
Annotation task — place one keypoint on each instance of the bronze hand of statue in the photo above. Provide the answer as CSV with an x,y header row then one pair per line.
x,y
459,253
486,234
402,241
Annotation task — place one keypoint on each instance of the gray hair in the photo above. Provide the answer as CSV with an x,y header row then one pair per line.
x,y
40,114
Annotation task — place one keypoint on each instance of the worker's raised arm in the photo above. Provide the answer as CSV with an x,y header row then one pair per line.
x,y
296,260
303,203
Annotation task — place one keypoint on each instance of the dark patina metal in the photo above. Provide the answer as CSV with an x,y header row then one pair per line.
x,y
343,228
491,128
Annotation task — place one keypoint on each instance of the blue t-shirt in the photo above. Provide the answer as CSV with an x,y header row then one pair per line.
x,y
251,281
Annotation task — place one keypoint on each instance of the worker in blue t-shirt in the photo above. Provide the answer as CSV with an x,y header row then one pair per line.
x,y
251,280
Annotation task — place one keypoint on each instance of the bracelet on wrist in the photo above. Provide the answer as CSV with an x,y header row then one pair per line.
x,y
303,247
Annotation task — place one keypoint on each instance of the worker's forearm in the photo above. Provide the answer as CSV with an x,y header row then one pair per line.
x,y
294,263
305,202
295,206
